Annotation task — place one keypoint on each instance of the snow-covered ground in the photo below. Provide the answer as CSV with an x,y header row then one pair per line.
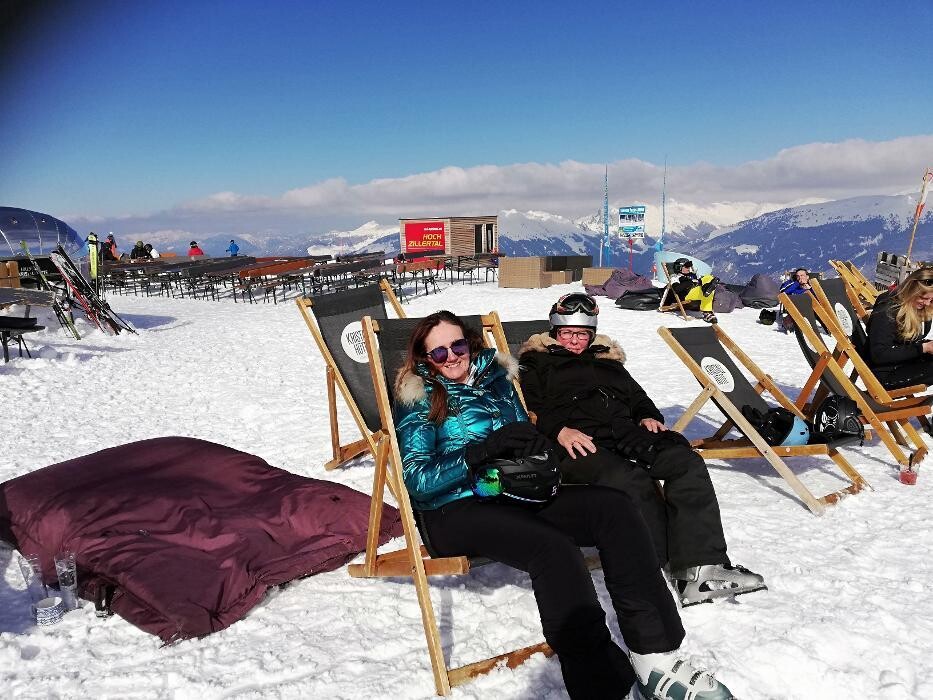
x,y
848,613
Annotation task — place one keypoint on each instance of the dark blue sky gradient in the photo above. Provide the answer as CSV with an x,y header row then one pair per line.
x,y
120,107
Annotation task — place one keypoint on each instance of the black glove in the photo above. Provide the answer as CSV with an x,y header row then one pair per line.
x,y
507,441
538,446
644,446
638,445
709,287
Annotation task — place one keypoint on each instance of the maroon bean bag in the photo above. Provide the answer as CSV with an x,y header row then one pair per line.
x,y
185,535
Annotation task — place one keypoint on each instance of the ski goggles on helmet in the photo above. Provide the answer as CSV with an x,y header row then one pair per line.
x,y
574,309
576,303
439,354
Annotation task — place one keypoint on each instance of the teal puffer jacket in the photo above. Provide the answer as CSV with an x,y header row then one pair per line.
x,y
433,464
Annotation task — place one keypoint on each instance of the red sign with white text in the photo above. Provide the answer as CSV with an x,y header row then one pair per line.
x,y
422,236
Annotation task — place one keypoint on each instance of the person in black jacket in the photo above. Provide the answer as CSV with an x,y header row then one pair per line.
x,y
139,252
612,434
898,353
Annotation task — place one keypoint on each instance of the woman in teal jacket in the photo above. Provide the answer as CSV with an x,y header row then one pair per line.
x,y
457,409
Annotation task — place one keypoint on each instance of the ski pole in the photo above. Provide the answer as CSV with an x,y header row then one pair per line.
x,y
927,177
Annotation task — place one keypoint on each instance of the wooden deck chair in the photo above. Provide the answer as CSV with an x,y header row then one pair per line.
x,y
669,290
334,322
834,297
888,413
704,352
386,343
862,292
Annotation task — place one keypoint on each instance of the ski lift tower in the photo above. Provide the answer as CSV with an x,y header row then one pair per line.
x,y
605,241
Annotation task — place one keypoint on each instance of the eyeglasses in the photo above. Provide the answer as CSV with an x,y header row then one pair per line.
x,y
567,334
576,302
439,354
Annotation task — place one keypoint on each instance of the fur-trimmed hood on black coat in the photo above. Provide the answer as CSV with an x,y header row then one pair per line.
x,y
603,347
590,391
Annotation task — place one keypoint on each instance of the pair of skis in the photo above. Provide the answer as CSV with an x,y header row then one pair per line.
x,y
96,309
60,304
81,291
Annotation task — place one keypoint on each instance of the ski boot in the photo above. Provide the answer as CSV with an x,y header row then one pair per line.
x,y
668,677
703,584
710,317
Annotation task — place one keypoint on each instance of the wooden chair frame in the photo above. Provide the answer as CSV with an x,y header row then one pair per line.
x,y
753,445
669,289
861,292
894,408
335,381
414,560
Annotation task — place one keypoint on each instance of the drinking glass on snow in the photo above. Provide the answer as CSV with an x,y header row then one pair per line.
x,y
66,568
32,574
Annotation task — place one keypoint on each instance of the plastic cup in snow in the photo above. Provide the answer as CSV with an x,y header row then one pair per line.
x,y
32,574
49,611
908,476
67,571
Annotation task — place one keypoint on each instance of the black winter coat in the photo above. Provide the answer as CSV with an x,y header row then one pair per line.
x,y
885,347
592,391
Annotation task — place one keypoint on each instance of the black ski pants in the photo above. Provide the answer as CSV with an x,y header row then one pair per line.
x,y
684,522
545,542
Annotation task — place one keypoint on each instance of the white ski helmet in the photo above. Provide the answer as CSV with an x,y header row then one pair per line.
x,y
575,309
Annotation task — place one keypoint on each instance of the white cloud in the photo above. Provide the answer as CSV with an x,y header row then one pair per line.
x,y
807,173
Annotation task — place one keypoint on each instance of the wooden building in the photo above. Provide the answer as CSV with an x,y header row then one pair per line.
x,y
452,235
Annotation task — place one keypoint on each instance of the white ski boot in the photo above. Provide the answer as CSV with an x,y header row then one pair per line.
x,y
669,677
704,584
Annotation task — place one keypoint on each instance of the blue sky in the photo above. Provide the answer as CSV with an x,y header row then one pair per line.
x,y
119,108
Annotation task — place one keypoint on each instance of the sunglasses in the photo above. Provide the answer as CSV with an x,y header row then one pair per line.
x,y
575,302
439,354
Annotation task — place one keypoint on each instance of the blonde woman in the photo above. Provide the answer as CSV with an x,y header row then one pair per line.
x,y
898,351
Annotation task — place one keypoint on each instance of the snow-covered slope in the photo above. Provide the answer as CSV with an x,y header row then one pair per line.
x,y
846,616
851,229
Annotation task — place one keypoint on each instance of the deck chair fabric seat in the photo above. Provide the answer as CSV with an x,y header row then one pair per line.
x,y
888,413
834,295
704,352
184,536
334,321
517,332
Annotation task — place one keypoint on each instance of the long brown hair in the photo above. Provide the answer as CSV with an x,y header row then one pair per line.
x,y
910,319
417,354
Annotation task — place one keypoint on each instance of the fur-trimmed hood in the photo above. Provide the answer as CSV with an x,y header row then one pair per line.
x,y
411,387
603,347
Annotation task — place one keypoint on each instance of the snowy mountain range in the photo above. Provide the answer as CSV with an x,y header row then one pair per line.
x,y
738,239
